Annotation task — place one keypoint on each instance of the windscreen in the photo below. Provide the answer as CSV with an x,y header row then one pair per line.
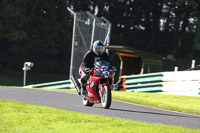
x,y
103,63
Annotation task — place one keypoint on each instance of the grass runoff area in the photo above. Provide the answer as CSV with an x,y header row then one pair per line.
x,y
187,104
21,117
24,118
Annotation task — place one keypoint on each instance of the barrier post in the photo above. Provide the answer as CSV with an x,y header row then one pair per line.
x,y
175,68
27,66
193,64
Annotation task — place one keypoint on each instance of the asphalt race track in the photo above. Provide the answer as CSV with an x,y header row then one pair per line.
x,y
72,102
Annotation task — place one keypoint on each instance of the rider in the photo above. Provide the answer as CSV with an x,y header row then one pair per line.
x,y
91,56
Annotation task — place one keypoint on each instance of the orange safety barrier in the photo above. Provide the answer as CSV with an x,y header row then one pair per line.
x,y
124,80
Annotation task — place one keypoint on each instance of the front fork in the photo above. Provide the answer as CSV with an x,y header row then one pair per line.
x,y
101,93
100,90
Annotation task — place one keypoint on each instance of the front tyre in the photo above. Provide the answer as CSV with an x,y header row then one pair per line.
x,y
86,102
106,97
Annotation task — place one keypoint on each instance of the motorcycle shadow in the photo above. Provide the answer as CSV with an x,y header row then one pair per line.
x,y
155,113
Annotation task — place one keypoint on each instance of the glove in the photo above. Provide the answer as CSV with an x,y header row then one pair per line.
x,y
114,68
88,70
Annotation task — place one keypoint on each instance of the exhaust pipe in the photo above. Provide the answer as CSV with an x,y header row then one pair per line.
x,y
76,84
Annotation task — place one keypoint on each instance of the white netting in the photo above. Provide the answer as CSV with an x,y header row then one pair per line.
x,y
83,37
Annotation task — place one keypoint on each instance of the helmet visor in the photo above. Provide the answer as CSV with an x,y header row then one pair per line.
x,y
100,50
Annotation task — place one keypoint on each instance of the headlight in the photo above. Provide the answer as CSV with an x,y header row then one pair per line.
x,y
98,73
106,74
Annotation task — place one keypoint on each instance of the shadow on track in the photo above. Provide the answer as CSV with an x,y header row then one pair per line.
x,y
165,114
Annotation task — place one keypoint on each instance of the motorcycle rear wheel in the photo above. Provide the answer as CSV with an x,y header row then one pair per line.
x,y
86,102
106,97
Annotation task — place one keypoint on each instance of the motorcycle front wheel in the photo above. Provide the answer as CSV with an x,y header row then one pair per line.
x,y
106,97
86,102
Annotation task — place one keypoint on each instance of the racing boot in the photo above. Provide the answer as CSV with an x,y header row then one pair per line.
x,y
83,85
83,89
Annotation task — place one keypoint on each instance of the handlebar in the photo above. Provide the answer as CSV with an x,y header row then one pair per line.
x,y
88,70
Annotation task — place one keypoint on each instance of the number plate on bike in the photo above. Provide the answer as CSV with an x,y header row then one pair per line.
x,y
106,74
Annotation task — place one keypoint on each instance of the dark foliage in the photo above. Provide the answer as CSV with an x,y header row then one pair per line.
x,y
40,31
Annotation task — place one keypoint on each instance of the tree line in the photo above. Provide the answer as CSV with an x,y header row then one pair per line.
x,y
40,31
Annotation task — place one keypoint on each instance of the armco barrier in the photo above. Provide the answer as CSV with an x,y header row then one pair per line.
x,y
181,81
64,84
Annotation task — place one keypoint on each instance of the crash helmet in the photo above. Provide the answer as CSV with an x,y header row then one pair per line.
x,y
98,47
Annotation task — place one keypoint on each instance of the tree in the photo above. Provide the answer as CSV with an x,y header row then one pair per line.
x,y
41,30
35,31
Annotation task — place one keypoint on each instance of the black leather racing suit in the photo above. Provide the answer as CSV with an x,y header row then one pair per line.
x,y
88,62
90,58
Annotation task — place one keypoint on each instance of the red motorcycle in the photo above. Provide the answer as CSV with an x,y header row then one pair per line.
x,y
98,85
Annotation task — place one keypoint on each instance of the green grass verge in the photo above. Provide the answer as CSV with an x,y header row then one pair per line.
x,y
187,104
20,117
